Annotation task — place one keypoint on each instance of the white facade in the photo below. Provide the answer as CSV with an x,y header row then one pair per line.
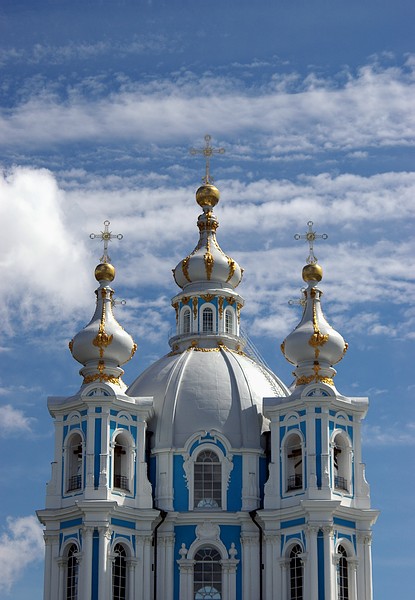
x,y
207,478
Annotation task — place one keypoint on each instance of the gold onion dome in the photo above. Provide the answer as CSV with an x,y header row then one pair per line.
x,y
208,263
105,272
312,272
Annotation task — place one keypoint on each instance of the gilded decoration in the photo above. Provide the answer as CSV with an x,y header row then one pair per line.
x,y
317,339
238,311
220,306
70,344
185,299
194,302
102,339
232,267
209,261
230,300
176,308
185,268
133,351
208,297
101,376
306,379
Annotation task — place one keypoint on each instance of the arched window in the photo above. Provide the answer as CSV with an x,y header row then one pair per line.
x,y
207,574
342,575
207,319
72,574
207,481
74,463
294,463
296,573
186,320
341,463
121,475
228,321
119,573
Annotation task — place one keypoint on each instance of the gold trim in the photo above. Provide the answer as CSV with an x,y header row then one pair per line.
x,y
185,268
194,303
230,300
70,344
208,297
185,299
306,379
133,350
220,306
176,308
102,340
238,311
232,268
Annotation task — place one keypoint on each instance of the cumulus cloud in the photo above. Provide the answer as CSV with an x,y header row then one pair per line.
x,y
21,543
392,435
13,421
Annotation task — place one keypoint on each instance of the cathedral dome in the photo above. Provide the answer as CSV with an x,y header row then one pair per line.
x,y
217,389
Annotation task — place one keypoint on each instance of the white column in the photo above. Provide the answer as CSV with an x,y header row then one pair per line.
x,y
104,571
131,566
86,564
361,593
165,562
311,579
61,584
48,565
368,565
147,570
284,564
328,561
186,575
352,573
272,571
250,561
89,453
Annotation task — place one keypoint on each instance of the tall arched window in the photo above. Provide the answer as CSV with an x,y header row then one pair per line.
x,y
119,573
341,463
296,573
294,463
207,574
186,320
72,574
207,480
342,575
207,319
121,474
74,463
228,321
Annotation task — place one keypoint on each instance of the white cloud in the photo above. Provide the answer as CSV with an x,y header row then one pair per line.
x,y
13,421
389,435
21,543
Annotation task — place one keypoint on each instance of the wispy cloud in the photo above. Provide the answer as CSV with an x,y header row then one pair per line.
x,y
13,421
389,435
21,543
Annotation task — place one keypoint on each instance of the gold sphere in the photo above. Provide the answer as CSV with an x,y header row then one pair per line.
x,y
105,272
207,195
312,272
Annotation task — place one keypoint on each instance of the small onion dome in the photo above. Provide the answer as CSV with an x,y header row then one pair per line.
x,y
314,346
105,272
208,262
312,272
103,345
207,195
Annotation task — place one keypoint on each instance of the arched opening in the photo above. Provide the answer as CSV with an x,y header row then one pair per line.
x,y
121,475
342,574
186,320
207,319
341,463
207,574
74,463
229,321
296,573
294,463
207,480
72,570
119,573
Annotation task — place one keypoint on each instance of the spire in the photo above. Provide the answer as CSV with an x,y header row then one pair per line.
x,y
103,345
314,346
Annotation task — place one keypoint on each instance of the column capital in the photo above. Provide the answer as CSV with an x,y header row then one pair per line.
x,y
364,537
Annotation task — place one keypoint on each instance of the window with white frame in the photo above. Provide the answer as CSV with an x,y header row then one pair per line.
x,y
74,457
121,463
342,575
186,320
296,573
293,462
207,574
207,319
119,573
229,321
341,462
207,480
72,572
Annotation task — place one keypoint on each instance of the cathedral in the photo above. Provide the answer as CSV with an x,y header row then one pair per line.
x,y
208,478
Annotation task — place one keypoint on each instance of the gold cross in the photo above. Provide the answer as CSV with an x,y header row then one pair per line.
x,y
310,236
106,236
207,152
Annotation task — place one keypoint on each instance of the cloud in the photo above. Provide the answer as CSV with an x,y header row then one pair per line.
x,y
392,435
21,544
13,421
371,108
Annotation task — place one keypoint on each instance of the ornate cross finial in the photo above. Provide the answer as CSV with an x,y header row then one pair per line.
x,y
106,236
207,152
310,236
300,301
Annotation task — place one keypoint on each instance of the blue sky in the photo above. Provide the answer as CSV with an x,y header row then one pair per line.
x,y
100,102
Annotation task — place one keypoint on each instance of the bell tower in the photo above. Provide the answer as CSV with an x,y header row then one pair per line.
x,y
98,517
317,517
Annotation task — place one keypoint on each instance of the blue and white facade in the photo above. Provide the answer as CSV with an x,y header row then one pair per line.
x,y
208,478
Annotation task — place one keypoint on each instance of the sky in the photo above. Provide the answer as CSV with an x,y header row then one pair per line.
x,y
100,102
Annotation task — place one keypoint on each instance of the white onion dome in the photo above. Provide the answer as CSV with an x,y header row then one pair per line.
x,y
103,345
207,262
217,389
314,346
